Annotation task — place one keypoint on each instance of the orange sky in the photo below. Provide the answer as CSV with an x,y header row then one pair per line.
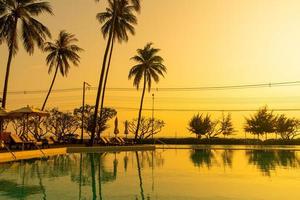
x,y
204,43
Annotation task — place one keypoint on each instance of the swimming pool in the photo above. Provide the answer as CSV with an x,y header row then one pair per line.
x,y
177,174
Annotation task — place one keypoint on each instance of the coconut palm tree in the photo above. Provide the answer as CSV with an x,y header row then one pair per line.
x,y
61,53
150,67
117,20
120,19
135,3
19,16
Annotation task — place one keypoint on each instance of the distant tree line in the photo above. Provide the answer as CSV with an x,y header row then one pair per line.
x,y
262,123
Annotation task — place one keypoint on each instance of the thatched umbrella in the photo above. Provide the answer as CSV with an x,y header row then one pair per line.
x,y
27,112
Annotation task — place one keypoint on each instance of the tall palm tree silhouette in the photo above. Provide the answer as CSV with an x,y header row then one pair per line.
x,y
117,20
19,16
60,53
149,67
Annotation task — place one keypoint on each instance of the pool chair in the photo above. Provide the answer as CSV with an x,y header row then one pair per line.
x,y
116,141
42,143
119,141
30,138
126,141
15,140
104,141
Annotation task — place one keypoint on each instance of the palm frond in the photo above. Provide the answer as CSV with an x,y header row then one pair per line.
x,y
150,66
62,52
38,8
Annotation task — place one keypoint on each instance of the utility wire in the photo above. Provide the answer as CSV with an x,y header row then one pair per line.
x,y
173,89
206,110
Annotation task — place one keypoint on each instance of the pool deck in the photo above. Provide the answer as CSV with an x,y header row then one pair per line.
x,y
36,154
31,154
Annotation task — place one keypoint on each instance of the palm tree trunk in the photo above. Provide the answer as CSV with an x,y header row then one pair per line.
x,y
100,86
93,176
99,178
50,89
10,56
140,175
106,75
140,111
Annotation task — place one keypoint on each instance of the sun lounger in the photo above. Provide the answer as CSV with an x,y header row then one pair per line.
x,y
117,141
30,137
120,140
104,141
123,141
16,141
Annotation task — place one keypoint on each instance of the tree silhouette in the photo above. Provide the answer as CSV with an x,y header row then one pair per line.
x,y
21,13
61,52
117,21
149,67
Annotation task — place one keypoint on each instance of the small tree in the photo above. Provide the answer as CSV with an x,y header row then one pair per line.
x,y
202,126
147,127
262,123
226,126
18,125
35,125
107,114
287,128
61,123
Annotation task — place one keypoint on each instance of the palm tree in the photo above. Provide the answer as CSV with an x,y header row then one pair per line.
x,y
135,3
118,19
61,52
21,13
150,66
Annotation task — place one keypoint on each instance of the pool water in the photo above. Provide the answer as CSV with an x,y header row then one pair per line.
x,y
173,174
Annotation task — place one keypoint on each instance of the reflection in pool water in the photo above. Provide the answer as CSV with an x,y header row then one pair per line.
x,y
161,174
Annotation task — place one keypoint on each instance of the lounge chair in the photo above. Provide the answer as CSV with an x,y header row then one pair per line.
x,y
125,141
119,141
104,141
15,140
30,138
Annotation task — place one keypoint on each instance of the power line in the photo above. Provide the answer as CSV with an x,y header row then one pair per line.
x,y
173,89
207,110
